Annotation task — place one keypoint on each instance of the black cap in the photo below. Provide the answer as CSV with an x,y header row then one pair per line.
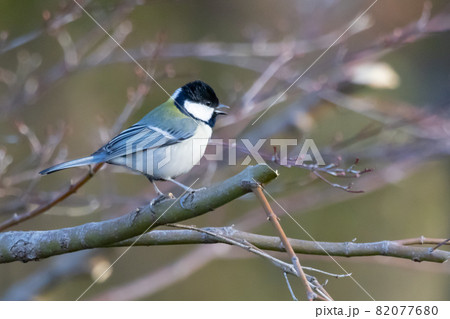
x,y
199,92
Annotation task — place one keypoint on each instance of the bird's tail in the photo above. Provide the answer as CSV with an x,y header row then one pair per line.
x,y
75,163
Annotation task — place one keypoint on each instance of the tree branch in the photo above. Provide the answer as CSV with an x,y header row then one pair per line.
x,y
343,249
34,245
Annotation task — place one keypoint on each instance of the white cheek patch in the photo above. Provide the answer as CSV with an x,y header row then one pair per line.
x,y
199,111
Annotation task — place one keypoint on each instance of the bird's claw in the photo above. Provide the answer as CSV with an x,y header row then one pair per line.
x,y
160,198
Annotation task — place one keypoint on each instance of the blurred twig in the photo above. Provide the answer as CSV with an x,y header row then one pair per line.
x,y
64,16
166,275
135,100
16,219
61,268
328,90
77,61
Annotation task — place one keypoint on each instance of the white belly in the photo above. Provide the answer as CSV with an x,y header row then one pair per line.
x,y
171,161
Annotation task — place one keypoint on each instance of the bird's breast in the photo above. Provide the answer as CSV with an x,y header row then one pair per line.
x,y
180,158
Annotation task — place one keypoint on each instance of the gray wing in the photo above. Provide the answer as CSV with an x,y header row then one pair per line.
x,y
141,137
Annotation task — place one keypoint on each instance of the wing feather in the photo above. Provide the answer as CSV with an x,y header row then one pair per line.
x,y
141,137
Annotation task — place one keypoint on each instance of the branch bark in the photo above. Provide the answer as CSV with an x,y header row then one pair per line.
x,y
34,245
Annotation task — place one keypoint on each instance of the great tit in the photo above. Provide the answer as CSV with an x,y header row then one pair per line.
x,y
165,143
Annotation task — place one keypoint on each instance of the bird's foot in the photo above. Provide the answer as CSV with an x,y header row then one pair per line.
x,y
160,198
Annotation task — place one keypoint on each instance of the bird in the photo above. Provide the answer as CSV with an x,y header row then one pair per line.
x,y
165,143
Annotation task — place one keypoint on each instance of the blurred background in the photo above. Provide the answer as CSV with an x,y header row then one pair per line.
x,y
380,94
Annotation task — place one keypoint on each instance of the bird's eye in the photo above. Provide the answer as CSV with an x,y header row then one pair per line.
x,y
208,103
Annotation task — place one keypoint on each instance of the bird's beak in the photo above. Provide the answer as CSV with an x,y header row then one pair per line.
x,y
221,106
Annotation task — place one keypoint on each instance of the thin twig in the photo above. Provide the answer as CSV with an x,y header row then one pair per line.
x,y
249,96
327,273
345,188
315,284
310,294
445,242
422,241
134,102
247,246
289,287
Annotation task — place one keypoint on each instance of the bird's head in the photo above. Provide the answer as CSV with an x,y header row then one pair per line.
x,y
198,100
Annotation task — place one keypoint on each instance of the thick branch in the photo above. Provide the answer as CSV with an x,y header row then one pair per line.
x,y
344,249
34,245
